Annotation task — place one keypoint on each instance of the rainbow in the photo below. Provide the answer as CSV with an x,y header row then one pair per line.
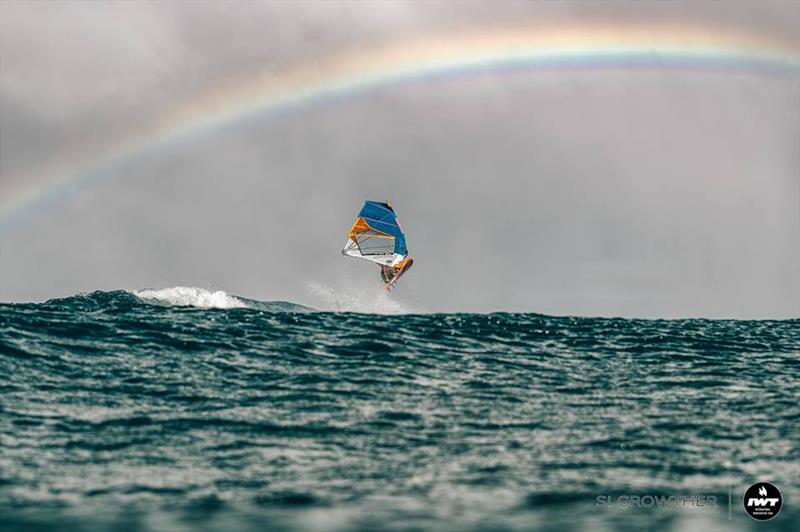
x,y
427,59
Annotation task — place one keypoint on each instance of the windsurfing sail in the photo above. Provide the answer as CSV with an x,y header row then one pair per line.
x,y
376,236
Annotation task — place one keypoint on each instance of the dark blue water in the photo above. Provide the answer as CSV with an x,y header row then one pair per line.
x,y
118,413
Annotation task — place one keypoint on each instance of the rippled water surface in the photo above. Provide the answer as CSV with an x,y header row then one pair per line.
x,y
119,411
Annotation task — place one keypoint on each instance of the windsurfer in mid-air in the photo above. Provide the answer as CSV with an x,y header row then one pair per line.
x,y
376,236
389,274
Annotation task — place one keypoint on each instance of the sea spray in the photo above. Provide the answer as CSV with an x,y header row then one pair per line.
x,y
371,299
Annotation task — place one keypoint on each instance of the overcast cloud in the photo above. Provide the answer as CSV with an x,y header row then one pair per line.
x,y
635,193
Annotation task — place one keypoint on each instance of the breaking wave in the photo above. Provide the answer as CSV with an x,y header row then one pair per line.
x,y
178,296
186,296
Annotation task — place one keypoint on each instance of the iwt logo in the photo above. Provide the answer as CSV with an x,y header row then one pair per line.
x,y
762,501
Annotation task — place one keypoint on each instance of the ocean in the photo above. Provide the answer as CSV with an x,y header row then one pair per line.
x,y
175,410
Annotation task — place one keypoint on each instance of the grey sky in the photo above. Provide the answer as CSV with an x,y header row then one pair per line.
x,y
636,193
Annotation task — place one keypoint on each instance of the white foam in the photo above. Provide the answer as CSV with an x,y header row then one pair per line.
x,y
371,300
186,296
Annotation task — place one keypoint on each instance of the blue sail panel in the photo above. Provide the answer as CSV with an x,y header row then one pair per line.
x,y
381,217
